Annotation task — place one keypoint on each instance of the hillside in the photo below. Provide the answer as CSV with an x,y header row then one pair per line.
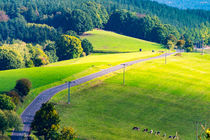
x,y
105,41
57,73
166,98
187,4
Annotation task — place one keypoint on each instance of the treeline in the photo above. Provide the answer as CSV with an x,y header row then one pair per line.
x,y
34,25
21,55
151,29
186,4
38,21
168,15
22,19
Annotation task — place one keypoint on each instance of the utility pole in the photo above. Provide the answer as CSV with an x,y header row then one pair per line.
x,y
166,57
123,73
203,47
69,92
196,130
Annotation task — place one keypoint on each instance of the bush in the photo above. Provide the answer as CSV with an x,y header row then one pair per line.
x,y
67,133
189,49
46,121
41,58
38,56
9,59
23,87
50,51
68,47
87,46
6,103
14,96
3,122
72,33
29,64
13,120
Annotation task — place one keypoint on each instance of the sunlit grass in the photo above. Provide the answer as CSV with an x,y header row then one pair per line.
x,y
111,42
168,98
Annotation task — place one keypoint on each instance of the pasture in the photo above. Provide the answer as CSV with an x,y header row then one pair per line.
x,y
167,98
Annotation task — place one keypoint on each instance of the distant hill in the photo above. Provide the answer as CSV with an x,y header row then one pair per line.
x,y
187,4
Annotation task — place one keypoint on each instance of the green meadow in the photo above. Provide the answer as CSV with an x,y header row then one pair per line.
x,y
106,41
168,98
54,74
57,73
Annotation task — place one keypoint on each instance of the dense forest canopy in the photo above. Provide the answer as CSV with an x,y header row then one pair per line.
x,y
41,21
187,4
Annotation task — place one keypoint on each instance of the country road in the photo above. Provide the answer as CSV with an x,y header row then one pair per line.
x,y
29,113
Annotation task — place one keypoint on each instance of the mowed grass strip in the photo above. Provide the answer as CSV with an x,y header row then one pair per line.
x,y
168,98
106,41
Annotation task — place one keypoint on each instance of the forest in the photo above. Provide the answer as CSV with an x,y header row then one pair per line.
x,y
44,21
187,4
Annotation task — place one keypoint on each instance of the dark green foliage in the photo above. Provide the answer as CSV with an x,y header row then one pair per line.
x,y
50,51
72,33
46,121
3,122
180,44
26,18
189,47
14,96
87,46
6,103
9,59
80,22
23,87
193,4
68,47
146,27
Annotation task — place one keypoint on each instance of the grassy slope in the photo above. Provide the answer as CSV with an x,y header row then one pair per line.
x,y
106,41
167,98
57,73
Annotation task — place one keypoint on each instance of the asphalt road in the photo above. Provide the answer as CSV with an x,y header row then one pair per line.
x,y
29,113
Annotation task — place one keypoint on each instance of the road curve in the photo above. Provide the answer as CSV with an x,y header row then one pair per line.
x,y
29,113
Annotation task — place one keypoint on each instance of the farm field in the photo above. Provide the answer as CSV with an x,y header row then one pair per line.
x,y
54,74
168,98
106,41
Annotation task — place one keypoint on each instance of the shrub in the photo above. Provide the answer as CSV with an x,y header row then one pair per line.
x,y
29,64
68,47
6,103
67,133
72,33
23,87
189,49
50,51
3,122
46,121
41,58
10,59
208,133
87,46
14,96
13,120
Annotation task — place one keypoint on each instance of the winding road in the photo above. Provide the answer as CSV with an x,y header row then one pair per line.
x,y
29,113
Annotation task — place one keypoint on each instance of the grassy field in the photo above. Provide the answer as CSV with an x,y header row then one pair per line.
x,y
105,41
168,98
57,73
